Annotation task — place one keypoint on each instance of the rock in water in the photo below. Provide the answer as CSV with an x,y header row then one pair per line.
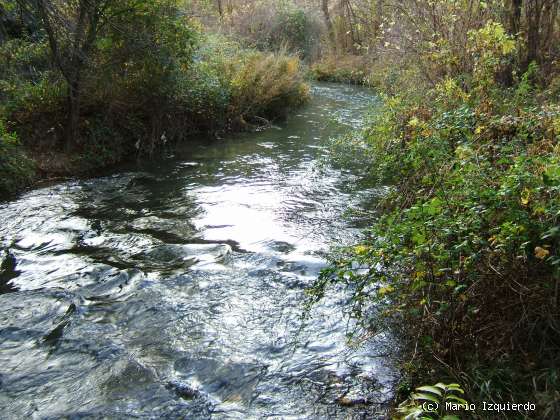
x,y
8,272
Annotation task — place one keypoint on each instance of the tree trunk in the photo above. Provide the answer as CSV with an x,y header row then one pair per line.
x,y
514,9
220,9
73,123
548,22
515,16
534,10
354,33
328,22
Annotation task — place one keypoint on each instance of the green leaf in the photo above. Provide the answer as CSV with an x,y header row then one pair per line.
x,y
425,397
414,414
431,389
455,398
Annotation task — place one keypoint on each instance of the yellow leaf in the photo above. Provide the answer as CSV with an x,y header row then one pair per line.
x,y
525,195
414,122
361,249
385,289
539,211
541,253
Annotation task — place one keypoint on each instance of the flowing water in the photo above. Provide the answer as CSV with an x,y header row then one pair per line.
x,y
174,289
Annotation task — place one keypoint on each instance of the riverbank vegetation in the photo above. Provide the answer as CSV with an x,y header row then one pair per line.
x,y
463,258
85,84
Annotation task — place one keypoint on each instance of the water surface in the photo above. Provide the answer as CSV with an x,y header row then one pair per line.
x,y
174,289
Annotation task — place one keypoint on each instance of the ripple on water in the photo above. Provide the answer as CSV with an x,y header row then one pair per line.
x,y
176,290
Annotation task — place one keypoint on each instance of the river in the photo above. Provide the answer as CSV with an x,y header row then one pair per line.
x,y
175,288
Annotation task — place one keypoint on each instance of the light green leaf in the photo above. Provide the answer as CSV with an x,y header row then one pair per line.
x,y
452,397
431,389
455,387
425,397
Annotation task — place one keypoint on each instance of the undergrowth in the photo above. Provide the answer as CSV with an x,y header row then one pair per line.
x,y
463,260
135,103
16,169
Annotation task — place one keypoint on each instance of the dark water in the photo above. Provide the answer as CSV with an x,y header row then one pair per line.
x,y
174,289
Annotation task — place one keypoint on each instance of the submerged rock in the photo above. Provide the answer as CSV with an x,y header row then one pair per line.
x,y
8,264
183,390
171,257
168,230
114,284
209,252
351,401
281,246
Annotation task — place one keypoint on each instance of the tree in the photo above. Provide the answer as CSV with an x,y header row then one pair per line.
x,y
541,18
72,28
16,21
220,8
328,21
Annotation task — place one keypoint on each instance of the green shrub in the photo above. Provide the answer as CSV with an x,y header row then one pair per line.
x,y
27,82
16,170
267,85
431,402
253,84
464,255
295,29
274,26
151,77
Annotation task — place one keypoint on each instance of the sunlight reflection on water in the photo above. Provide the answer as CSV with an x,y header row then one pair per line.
x,y
174,288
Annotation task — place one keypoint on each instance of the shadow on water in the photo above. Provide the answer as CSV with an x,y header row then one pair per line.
x,y
174,288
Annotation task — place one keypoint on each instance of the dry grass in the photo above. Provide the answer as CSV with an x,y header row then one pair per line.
x,y
342,68
267,85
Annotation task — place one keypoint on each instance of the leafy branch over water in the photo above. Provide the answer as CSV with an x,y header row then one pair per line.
x,y
463,259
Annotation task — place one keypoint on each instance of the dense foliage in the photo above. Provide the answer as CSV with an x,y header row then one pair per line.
x,y
464,257
266,25
16,170
87,83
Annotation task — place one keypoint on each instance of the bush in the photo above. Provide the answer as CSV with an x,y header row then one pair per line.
x,y
275,26
267,85
27,82
16,170
171,82
465,253
244,85
295,30
351,69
